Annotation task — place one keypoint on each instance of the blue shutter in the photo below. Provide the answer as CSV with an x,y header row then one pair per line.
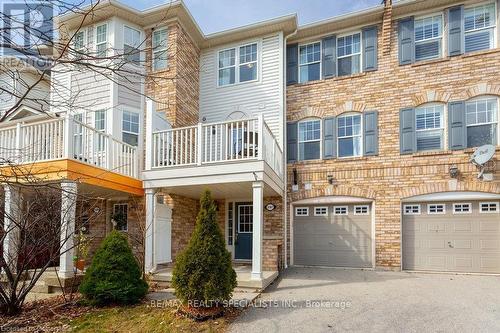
x,y
406,35
370,133
329,57
457,127
407,135
291,142
455,31
329,138
370,49
292,64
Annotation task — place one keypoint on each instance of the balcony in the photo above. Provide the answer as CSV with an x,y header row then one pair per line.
x,y
236,151
65,138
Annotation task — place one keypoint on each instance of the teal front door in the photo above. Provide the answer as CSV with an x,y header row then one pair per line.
x,y
244,228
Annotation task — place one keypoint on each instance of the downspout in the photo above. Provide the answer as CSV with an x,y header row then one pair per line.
x,y
285,173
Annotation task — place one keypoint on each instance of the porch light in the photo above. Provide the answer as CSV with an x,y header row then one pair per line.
x,y
453,171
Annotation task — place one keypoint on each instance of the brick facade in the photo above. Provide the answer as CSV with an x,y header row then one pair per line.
x,y
389,177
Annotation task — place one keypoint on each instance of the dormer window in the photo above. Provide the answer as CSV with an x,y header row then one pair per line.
x,y
131,43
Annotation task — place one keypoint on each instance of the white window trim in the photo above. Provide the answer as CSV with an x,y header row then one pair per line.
x,y
352,54
320,214
493,27
237,64
85,41
497,122
139,47
320,137
346,210
441,37
412,213
122,204
160,50
313,62
442,128
497,210
361,206
297,209
436,213
350,136
105,42
238,220
130,132
462,212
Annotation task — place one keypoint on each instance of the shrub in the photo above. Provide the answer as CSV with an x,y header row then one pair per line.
x,y
114,275
203,271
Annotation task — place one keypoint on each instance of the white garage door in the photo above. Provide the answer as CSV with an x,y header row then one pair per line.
x,y
333,235
452,236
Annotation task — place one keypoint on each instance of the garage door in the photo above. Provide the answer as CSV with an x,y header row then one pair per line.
x,y
333,235
452,236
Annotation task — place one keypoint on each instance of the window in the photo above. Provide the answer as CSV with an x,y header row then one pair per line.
x,y
349,54
411,209
79,41
309,62
361,210
309,139
160,49
481,122
130,128
340,210
428,37
302,211
120,216
436,209
488,207
248,63
100,125
131,43
243,57
102,41
349,135
462,208
479,27
320,211
230,223
245,219
429,127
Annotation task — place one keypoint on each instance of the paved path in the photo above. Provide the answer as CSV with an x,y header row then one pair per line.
x,y
373,301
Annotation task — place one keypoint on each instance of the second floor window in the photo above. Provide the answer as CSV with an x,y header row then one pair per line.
x,y
102,41
428,37
130,128
159,49
79,41
310,62
309,139
131,43
349,136
479,27
429,127
482,122
238,64
100,125
349,54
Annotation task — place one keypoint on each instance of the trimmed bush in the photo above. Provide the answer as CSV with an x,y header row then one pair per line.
x,y
203,271
114,277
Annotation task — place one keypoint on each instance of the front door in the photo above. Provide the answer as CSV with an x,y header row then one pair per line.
x,y
162,232
244,228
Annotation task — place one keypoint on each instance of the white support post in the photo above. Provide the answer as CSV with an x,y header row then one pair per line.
x,y
258,229
68,216
19,138
149,232
109,152
199,144
68,136
261,137
12,213
150,111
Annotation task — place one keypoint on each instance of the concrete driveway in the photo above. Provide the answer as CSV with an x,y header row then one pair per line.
x,y
374,301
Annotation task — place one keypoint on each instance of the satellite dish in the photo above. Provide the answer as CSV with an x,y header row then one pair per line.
x,y
482,155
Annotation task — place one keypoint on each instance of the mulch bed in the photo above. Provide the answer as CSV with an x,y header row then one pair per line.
x,y
48,315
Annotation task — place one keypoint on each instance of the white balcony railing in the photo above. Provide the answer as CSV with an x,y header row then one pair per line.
x,y
222,142
66,138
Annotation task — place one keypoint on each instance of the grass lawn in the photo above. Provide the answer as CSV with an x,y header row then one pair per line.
x,y
143,318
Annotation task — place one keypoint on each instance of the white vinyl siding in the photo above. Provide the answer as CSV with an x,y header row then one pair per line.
x,y
428,37
430,127
309,62
482,121
479,27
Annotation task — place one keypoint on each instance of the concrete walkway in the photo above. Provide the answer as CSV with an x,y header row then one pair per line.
x,y
334,300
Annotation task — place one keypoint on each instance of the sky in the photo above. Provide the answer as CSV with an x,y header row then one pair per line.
x,y
218,15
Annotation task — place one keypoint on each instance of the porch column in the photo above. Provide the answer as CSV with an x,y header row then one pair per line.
x,y
149,232
258,229
68,215
12,214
